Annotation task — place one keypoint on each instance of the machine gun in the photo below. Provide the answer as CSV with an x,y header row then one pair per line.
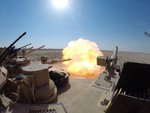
x,y
110,63
7,92
14,63
15,51
9,49
8,57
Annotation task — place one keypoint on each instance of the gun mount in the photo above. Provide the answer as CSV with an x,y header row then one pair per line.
x,y
14,63
108,79
9,49
14,53
110,63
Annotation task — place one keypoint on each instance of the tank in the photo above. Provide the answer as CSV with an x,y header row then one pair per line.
x,y
31,83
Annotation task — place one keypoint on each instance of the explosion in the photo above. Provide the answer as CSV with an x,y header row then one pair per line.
x,y
83,54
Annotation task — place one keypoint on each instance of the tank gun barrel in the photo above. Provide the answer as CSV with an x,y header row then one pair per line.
x,y
63,60
24,46
5,53
32,50
44,60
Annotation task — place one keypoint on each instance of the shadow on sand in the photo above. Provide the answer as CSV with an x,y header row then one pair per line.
x,y
63,89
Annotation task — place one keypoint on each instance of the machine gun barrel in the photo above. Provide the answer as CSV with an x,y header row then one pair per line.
x,y
10,51
5,53
30,48
14,52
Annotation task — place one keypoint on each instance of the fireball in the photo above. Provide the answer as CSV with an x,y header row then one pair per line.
x,y
83,54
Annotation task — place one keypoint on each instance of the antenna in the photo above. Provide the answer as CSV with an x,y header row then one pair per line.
x,y
147,34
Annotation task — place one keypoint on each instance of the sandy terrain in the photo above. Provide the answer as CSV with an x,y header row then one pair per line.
x,y
122,56
57,54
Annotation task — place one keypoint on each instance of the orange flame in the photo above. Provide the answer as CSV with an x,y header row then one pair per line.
x,y
83,54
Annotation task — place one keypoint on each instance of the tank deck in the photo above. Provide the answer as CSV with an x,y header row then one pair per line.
x,y
80,96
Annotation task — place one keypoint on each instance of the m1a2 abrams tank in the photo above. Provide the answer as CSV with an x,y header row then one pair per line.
x,y
31,86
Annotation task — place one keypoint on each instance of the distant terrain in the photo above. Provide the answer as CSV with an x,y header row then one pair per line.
x,y
122,56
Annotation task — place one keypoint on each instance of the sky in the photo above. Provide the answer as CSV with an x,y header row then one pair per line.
x,y
108,23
